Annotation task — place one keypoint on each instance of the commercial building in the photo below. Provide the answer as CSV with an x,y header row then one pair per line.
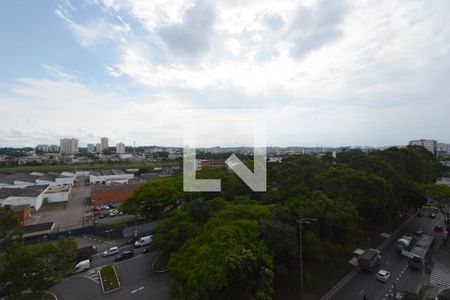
x,y
430,145
107,177
120,148
68,146
23,212
112,193
57,194
31,195
90,148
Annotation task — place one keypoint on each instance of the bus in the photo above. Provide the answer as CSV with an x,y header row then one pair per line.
x,y
421,252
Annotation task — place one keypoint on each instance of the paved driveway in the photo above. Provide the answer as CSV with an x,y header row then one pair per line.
x,y
136,280
72,215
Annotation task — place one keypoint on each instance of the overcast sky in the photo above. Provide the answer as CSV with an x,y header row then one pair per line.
x,y
325,72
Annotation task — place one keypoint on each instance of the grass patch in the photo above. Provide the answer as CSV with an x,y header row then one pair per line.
x,y
109,279
161,262
33,296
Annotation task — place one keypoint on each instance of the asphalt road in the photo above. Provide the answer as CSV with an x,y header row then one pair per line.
x,y
406,279
137,282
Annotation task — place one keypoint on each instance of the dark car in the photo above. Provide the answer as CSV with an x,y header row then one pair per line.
x,y
419,214
124,255
438,228
97,213
132,240
112,206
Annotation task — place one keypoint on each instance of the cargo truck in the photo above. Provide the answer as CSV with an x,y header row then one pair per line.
x,y
369,260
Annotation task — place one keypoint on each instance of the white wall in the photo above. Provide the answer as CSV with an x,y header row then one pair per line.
x,y
57,197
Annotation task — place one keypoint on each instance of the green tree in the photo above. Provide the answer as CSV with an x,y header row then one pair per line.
x,y
225,262
155,198
174,231
9,222
39,267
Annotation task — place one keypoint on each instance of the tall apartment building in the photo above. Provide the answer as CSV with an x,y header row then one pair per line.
x,y
104,144
120,148
68,146
98,148
90,148
430,145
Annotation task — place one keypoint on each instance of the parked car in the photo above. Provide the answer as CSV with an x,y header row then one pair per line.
x,y
419,214
143,241
438,228
147,249
103,215
432,216
97,213
112,206
383,275
111,251
105,207
113,212
95,209
124,255
82,266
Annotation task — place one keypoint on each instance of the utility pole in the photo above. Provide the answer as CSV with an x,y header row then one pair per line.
x,y
301,221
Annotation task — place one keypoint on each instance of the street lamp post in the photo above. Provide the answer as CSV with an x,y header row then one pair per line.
x,y
301,221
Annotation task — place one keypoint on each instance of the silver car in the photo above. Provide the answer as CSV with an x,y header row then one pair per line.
x,y
111,251
383,275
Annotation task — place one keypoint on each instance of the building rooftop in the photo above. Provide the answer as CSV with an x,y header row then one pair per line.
x,y
36,228
30,191
10,178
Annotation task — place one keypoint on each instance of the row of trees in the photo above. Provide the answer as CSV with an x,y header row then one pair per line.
x,y
35,268
236,243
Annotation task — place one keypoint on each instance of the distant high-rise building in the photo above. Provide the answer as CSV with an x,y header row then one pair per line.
x,y
120,148
104,144
47,148
98,148
90,148
68,146
430,145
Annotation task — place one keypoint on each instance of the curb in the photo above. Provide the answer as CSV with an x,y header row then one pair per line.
x,y
347,277
101,281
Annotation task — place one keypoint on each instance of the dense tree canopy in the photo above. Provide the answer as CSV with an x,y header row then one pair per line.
x,y
232,244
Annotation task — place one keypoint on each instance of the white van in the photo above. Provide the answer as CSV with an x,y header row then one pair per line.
x,y
143,241
82,265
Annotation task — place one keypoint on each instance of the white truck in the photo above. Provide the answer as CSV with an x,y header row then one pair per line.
x,y
143,241
82,265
